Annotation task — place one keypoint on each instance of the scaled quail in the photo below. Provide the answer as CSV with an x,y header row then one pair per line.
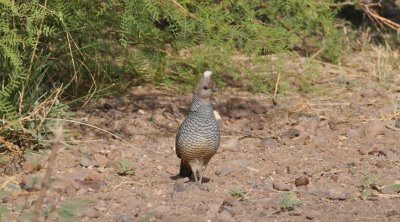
x,y
198,136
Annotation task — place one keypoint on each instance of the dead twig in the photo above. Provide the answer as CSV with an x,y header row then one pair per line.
x,y
33,55
277,84
7,181
353,3
128,182
10,146
341,4
374,16
371,13
50,166
330,104
102,130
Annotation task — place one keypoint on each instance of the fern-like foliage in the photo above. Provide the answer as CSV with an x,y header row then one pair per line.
x,y
20,26
87,45
159,31
24,100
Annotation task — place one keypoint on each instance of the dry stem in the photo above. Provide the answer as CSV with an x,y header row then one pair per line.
x,y
50,166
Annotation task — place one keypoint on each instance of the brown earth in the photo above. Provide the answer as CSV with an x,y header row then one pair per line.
x,y
331,154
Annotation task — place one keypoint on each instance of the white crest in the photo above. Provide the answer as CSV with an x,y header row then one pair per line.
x,y
207,74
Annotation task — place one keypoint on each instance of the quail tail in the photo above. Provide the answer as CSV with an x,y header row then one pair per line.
x,y
185,170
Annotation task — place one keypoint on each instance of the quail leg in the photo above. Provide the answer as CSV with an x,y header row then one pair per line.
x,y
195,176
201,176
194,166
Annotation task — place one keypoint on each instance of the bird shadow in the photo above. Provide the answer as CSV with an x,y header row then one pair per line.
x,y
191,179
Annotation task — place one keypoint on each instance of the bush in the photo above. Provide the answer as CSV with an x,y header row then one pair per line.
x,y
74,50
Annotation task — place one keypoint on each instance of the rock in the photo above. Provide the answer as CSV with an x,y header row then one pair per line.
x,y
90,184
181,185
108,106
292,133
333,125
397,124
160,212
127,130
142,112
382,164
314,191
227,206
312,214
346,178
343,79
238,114
374,128
224,216
269,143
92,176
101,161
31,184
295,212
91,213
282,186
30,166
64,186
353,133
86,160
123,218
111,164
310,125
134,204
334,194
267,202
334,177
223,172
368,150
268,186
370,93
241,162
230,143
389,154
301,181
392,213
321,137
206,187
230,202
256,125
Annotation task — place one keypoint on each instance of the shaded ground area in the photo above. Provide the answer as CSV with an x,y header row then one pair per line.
x,y
334,156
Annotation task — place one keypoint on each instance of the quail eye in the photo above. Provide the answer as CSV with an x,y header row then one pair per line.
x,y
205,87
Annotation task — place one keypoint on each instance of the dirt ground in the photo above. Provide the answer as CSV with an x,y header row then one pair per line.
x,y
330,155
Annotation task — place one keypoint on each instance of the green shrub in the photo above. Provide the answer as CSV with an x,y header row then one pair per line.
x,y
74,50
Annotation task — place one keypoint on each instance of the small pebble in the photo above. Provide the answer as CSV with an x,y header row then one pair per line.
x,y
382,164
338,195
311,215
392,213
390,154
301,181
85,161
292,133
397,124
353,133
369,93
282,186
223,172
374,128
100,160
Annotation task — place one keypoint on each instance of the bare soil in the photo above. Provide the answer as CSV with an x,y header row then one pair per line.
x,y
331,155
